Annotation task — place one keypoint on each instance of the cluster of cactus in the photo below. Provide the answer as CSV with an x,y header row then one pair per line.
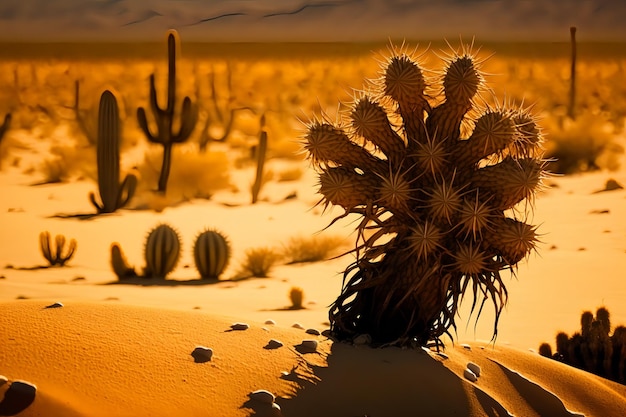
x,y
162,251
164,116
56,255
113,194
594,348
433,178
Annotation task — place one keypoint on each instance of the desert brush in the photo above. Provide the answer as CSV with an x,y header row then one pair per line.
x,y
432,175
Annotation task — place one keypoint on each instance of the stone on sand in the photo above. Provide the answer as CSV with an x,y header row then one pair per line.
x,y
240,326
262,396
202,354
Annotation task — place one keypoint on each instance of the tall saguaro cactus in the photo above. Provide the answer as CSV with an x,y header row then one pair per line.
x,y
433,181
164,116
113,194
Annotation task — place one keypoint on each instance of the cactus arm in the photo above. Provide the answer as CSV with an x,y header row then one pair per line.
x,y
143,125
126,190
44,245
189,117
94,202
62,259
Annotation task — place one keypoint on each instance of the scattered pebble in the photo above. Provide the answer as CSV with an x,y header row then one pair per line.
x,y
18,397
55,305
466,346
610,185
426,349
3,380
362,339
262,396
240,326
298,326
327,333
274,344
443,355
3,277
604,211
79,279
202,354
270,322
313,331
474,368
470,375
308,346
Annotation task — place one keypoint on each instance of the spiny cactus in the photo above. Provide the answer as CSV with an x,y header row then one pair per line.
x,y
211,253
594,349
120,265
113,194
433,179
56,255
261,152
162,251
164,116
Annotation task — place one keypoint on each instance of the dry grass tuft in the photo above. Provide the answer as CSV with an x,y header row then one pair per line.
x,y
312,248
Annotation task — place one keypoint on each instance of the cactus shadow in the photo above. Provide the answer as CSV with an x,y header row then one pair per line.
x,y
156,282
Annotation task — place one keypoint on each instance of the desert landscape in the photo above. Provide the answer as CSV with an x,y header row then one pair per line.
x,y
111,303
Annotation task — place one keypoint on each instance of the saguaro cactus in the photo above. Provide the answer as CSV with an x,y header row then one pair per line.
x,y
164,116
113,194
433,198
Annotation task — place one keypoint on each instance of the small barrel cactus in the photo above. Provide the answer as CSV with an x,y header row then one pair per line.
x,y
162,251
211,253
433,178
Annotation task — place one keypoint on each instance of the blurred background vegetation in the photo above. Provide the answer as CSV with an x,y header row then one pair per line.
x,y
52,92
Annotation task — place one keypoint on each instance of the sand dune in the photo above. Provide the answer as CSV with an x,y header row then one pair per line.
x,y
101,359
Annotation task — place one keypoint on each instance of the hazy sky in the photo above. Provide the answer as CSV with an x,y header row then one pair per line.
x,y
324,20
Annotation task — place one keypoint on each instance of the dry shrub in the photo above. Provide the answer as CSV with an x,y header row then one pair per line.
x,y
582,145
258,262
69,161
312,248
193,175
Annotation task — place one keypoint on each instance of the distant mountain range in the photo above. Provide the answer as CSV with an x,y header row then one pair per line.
x,y
313,20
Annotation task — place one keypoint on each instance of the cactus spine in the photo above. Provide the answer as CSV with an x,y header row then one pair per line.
x,y
164,116
113,194
55,255
162,251
431,196
211,253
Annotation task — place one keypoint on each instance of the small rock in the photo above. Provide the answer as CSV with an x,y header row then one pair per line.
x,y
270,322
466,346
274,344
313,331
308,346
443,355
470,375
262,396
327,333
298,326
202,354
474,368
55,305
362,339
3,380
240,326
3,277
426,349
18,397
